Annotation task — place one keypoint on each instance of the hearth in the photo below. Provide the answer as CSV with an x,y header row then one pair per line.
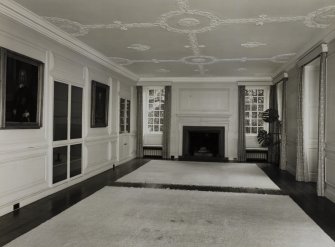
x,y
203,143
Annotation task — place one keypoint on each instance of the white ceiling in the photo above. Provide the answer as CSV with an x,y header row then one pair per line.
x,y
193,38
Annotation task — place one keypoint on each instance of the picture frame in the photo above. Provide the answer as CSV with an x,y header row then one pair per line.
x,y
21,90
99,104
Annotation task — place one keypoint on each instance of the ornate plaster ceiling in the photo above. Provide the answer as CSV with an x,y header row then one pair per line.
x,y
192,37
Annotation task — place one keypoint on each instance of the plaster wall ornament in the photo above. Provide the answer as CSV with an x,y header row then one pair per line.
x,y
139,47
253,44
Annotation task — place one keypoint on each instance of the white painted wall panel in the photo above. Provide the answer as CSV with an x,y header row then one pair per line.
x,y
204,100
292,96
22,175
97,153
330,123
206,104
25,170
330,168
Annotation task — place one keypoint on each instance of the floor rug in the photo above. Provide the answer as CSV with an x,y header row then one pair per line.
x,y
134,217
238,175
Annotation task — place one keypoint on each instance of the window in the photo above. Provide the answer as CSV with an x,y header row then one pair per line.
x,y
67,135
255,104
155,104
124,115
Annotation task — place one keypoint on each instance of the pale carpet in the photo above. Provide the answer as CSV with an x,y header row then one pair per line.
x,y
136,217
239,175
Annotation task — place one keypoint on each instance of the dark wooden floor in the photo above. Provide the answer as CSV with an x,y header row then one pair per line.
x,y
12,225
320,209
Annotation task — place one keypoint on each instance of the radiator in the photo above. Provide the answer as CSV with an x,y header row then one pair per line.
x,y
257,155
152,152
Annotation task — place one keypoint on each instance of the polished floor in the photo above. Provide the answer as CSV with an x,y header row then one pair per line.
x,y
12,225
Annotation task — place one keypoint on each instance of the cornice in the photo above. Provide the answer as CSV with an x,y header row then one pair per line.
x,y
255,83
228,79
320,40
28,18
280,77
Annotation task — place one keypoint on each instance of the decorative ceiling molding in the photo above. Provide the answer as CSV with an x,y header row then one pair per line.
x,y
71,27
162,70
280,77
204,60
139,47
226,79
305,49
187,21
29,19
253,44
320,18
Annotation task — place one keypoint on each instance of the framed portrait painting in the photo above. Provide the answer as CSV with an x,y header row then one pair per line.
x,y
21,91
99,104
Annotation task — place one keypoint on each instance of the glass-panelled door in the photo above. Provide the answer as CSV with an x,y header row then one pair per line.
x,y
67,132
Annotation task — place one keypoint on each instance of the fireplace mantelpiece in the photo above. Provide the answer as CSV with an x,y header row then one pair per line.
x,y
203,143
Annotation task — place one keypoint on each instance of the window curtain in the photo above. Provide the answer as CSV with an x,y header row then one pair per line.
x,y
167,123
302,167
273,150
321,124
139,122
241,149
283,143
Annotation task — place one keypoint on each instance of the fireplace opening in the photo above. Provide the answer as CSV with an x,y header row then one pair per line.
x,y
203,143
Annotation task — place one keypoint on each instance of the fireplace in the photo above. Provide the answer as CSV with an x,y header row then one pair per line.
x,y
203,143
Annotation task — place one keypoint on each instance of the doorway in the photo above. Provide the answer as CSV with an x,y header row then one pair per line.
x,y
311,74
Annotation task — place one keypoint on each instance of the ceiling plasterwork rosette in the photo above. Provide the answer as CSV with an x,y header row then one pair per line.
x,y
191,22
321,18
196,21
205,60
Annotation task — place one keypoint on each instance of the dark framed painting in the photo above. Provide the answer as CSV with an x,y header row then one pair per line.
x,y
99,105
21,90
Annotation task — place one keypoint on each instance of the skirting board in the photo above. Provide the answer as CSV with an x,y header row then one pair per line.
x,y
330,193
8,207
125,160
